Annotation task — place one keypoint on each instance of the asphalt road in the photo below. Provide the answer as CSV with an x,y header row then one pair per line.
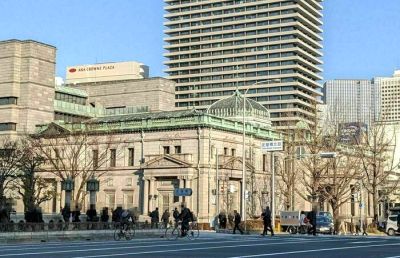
x,y
216,245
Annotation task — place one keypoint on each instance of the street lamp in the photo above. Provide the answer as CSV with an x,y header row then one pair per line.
x,y
67,185
244,150
92,186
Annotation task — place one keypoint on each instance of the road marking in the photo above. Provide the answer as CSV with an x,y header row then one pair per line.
x,y
314,250
367,242
200,248
128,247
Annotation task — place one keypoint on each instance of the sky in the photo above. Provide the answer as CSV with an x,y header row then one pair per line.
x,y
361,37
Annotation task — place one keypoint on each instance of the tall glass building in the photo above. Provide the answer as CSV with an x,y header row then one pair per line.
x,y
352,100
271,47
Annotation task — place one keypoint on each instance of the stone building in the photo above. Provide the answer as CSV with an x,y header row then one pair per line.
x,y
161,151
26,85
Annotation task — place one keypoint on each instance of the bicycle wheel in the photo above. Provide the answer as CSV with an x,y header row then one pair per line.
x,y
128,234
196,231
190,234
172,233
117,234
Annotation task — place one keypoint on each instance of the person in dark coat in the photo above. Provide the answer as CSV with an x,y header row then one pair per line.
x,y
165,218
66,213
104,215
91,214
237,220
155,218
398,222
116,214
312,217
222,220
175,214
267,219
76,214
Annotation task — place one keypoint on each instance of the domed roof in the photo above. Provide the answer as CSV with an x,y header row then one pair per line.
x,y
232,107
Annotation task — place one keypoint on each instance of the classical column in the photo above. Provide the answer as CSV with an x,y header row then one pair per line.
x,y
152,193
146,196
181,185
189,199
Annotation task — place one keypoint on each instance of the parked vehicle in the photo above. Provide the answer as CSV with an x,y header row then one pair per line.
x,y
324,225
391,225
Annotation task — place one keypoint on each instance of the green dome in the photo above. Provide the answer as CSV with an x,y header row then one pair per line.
x,y
232,107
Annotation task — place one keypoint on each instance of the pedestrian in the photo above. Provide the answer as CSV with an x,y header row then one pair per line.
x,y
165,218
364,227
155,218
222,219
185,216
76,214
66,213
175,214
237,219
312,218
266,217
398,222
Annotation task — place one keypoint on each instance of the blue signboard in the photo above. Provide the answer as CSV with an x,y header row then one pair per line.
x,y
183,192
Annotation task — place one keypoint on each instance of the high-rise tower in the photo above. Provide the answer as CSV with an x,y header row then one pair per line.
x,y
272,47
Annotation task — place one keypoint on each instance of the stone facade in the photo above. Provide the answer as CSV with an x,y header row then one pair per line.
x,y
175,151
27,71
156,93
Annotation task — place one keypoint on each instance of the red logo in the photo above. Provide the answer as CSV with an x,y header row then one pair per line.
x,y
72,70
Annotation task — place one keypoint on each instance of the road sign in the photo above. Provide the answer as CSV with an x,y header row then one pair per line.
x,y
183,192
272,146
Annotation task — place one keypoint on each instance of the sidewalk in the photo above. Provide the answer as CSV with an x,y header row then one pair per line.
x,y
46,236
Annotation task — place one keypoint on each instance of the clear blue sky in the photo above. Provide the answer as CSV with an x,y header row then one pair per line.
x,y
361,38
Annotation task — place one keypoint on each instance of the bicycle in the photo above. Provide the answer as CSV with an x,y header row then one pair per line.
x,y
194,227
173,233
124,230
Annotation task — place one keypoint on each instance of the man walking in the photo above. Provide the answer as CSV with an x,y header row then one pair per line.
x,y
266,216
398,222
155,218
237,219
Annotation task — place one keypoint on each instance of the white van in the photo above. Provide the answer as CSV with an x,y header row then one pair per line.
x,y
391,225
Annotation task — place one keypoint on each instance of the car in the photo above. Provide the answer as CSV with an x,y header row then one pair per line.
x,y
391,225
324,225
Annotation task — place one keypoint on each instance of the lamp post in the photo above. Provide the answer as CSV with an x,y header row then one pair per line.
x,y
68,186
243,208
92,186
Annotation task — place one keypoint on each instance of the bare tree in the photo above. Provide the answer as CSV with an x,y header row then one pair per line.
x,y
33,188
377,153
9,158
78,154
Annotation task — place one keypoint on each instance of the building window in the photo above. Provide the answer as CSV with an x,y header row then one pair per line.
x,y
8,101
8,126
95,154
110,200
128,182
166,150
131,156
128,200
233,152
178,149
113,157
110,182
226,151
264,162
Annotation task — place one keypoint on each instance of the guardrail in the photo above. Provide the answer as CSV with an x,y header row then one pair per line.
x,y
58,231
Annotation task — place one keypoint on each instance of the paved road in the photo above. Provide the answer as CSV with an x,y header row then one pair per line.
x,y
216,245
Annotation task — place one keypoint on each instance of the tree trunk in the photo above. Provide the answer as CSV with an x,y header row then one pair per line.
x,y
336,221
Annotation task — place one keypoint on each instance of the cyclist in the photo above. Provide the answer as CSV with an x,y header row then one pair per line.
x,y
185,216
126,219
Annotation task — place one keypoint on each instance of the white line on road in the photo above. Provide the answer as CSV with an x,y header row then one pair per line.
x,y
127,247
200,248
314,250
